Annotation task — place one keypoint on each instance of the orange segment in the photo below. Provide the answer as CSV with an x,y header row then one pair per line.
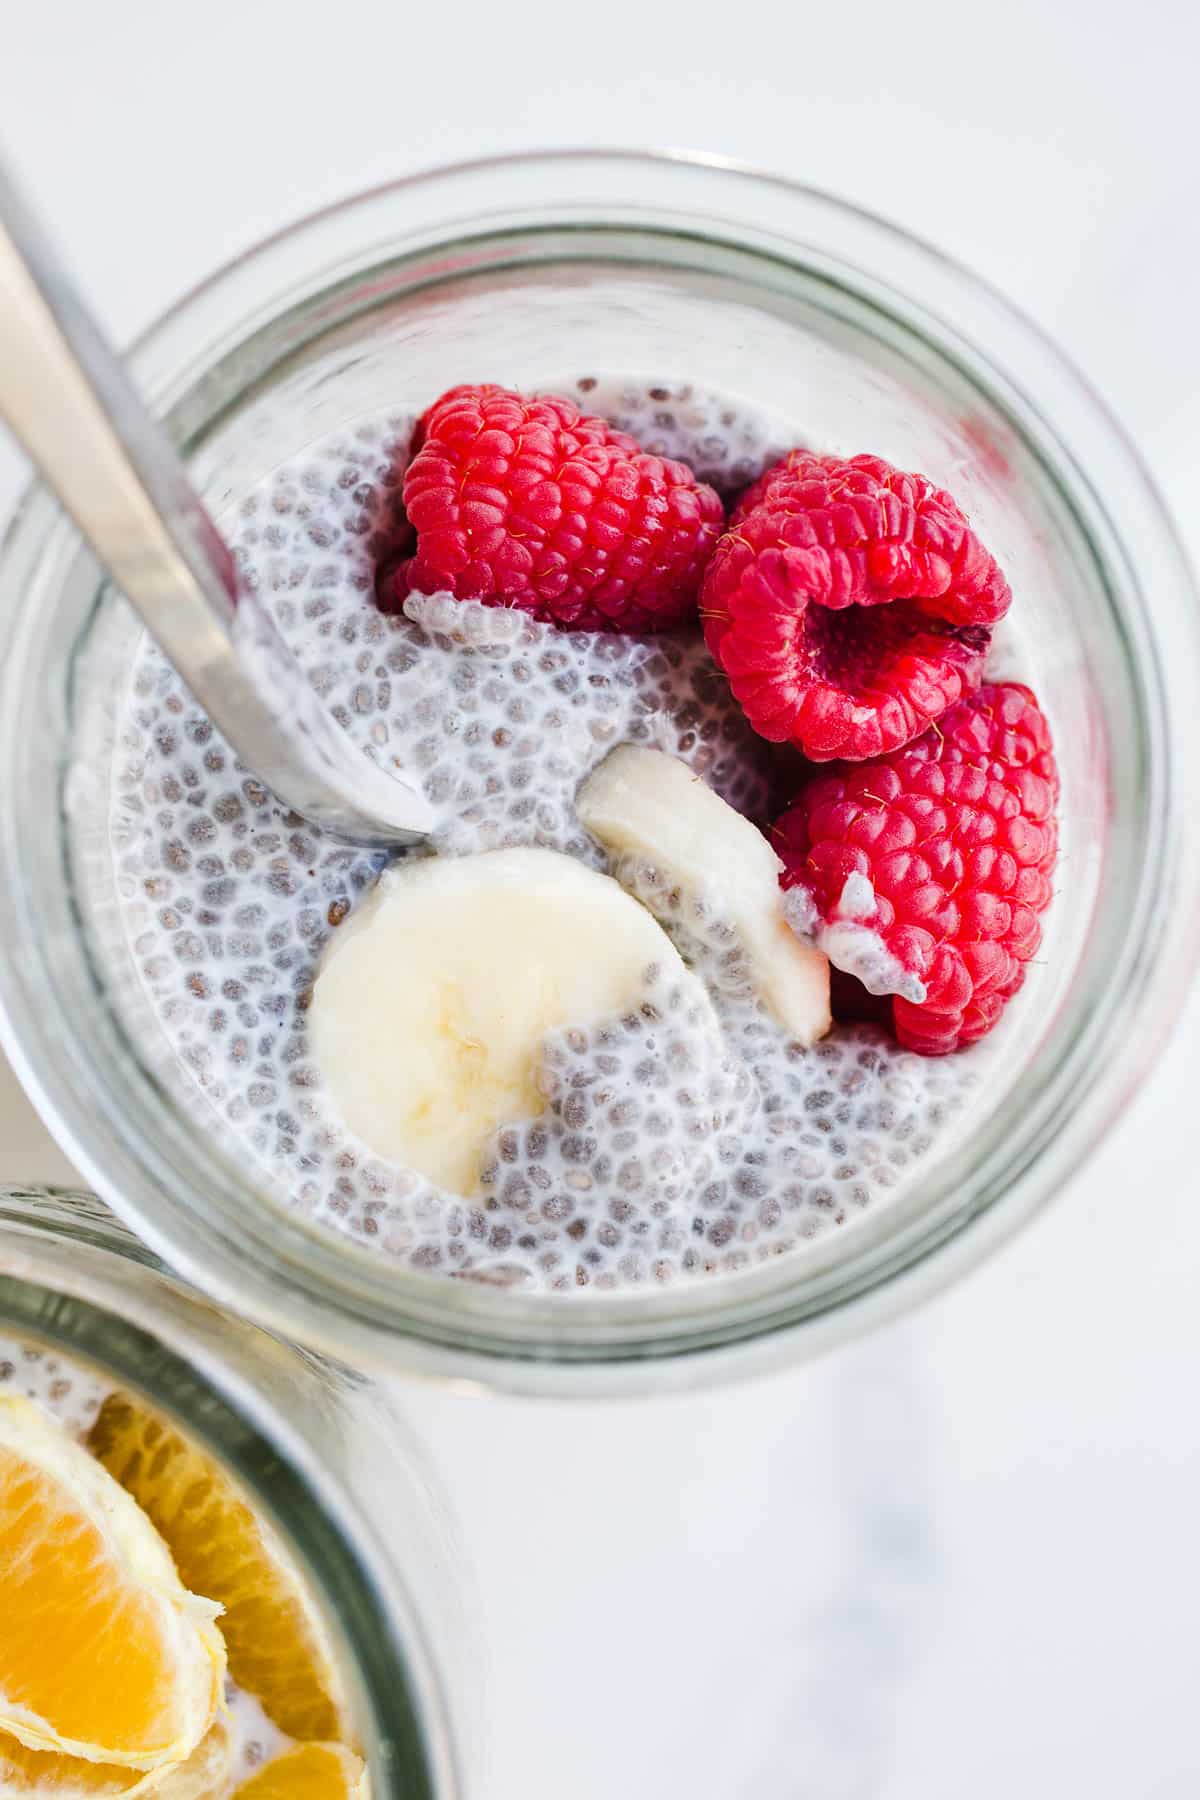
x,y
38,1773
310,1772
104,1655
276,1643
44,1775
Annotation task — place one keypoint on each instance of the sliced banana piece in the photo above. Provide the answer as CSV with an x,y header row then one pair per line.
x,y
434,999
711,877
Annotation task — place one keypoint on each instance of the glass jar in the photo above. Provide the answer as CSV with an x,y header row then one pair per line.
x,y
523,270
316,1451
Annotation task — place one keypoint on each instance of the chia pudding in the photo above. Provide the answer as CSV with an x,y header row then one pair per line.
x,y
686,1134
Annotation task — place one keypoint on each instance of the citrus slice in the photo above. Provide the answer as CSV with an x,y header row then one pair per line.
x,y
44,1775
309,1772
276,1643
104,1655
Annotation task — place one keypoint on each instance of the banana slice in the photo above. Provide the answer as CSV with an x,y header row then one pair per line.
x,y
434,999
711,877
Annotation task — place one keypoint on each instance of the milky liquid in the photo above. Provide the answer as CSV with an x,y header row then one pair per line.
x,y
73,1394
660,1155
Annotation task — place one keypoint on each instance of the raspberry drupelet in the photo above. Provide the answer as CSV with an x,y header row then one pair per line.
x,y
849,604
926,871
532,504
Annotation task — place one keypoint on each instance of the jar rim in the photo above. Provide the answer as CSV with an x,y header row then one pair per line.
x,y
729,1325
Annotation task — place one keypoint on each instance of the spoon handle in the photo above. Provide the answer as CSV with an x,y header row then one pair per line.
x,y
69,402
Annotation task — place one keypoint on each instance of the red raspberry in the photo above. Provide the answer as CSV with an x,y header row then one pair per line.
x,y
531,503
925,872
849,604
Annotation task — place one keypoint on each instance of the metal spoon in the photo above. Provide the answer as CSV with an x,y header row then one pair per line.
x,y
68,400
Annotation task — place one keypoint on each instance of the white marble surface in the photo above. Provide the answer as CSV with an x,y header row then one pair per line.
x,y
958,1558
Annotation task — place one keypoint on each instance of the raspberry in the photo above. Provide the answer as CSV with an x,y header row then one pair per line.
x,y
530,503
850,604
926,871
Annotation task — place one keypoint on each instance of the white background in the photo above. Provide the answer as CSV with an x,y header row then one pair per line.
x,y
960,1558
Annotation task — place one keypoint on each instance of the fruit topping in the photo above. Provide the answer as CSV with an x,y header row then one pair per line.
x,y
532,504
275,1641
669,834
104,1654
310,1772
435,999
46,1775
925,872
849,604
